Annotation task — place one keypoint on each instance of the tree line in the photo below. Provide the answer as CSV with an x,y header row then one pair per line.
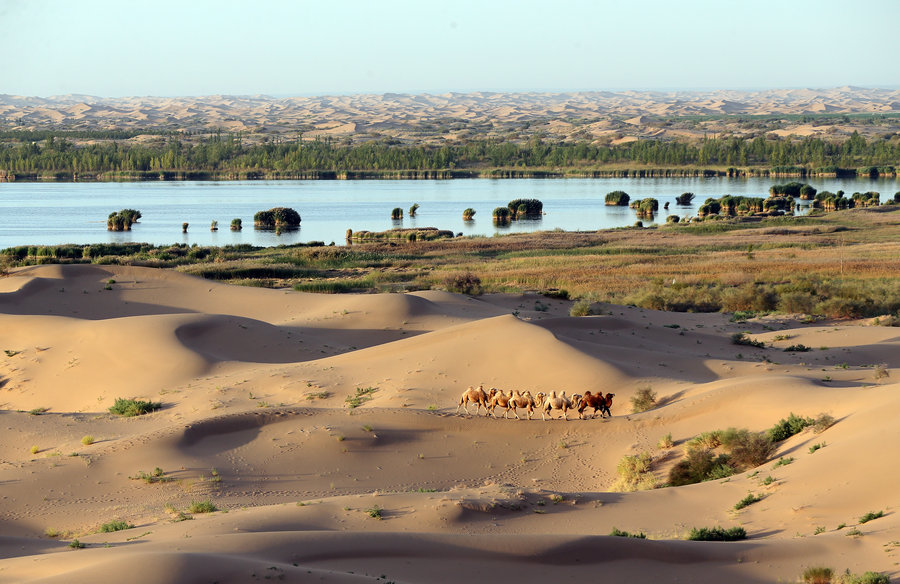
x,y
227,153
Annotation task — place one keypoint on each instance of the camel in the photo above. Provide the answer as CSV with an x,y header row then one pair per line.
x,y
521,400
591,400
607,403
499,399
475,395
554,402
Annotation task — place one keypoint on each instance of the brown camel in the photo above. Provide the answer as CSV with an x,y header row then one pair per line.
x,y
521,400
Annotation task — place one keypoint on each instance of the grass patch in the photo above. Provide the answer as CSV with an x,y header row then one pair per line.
x,y
783,461
156,476
817,575
115,526
750,499
717,534
616,532
665,442
38,411
870,516
133,407
76,545
375,512
205,506
644,399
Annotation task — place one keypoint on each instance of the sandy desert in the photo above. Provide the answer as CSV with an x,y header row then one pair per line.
x,y
450,117
257,385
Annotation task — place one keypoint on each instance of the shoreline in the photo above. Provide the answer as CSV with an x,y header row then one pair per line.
x,y
494,173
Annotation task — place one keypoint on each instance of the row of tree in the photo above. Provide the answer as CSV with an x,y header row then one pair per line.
x,y
229,153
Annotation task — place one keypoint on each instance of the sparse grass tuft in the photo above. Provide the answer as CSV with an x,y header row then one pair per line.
x,y
865,578
87,440
76,545
34,450
823,422
133,407
817,446
375,512
363,394
747,501
318,395
784,461
38,411
717,534
666,441
817,575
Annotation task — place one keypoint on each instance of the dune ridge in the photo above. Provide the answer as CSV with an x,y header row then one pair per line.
x,y
254,387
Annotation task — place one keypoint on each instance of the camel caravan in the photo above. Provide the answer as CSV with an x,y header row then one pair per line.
x,y
513,401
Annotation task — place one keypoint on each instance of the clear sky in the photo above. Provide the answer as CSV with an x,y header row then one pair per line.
x,y
304,47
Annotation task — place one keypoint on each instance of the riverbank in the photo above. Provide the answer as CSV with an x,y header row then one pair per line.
x,y
448,174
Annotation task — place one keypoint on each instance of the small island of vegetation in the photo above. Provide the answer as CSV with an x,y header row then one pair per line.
x,y
277,218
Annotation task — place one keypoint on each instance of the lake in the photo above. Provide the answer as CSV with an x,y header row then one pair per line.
x,y
55,213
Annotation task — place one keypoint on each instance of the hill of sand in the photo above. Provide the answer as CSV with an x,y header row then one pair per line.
x,y
431,118
253,385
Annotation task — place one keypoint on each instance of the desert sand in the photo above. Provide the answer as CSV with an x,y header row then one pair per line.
x,y
436,118
253,384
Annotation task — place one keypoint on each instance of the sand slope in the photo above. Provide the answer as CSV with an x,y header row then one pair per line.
x,y
253,384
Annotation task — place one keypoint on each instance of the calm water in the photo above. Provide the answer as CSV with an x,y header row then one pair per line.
x,y
54,213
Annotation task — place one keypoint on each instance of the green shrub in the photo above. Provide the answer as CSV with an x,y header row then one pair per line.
x,y
397,213
205,506
76,545
413,209
666,441
468,214
865,578
684,199
699,465
717,534
743,339
133,407
375,512
747,449
797,349
788,427
115,526
236,224
870,516
87,440
581,308
616,532
644,399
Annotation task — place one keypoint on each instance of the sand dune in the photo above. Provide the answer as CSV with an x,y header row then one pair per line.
x,y
254,384
415,117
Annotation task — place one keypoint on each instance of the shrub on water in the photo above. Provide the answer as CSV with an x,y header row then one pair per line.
x,y
617,198
684,198
501,215
236,224
277,217
397,213
468,214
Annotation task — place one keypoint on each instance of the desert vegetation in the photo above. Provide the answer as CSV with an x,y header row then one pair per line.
x,y
133,407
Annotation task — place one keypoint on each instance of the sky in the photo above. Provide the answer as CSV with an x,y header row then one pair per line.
x,y
325,47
